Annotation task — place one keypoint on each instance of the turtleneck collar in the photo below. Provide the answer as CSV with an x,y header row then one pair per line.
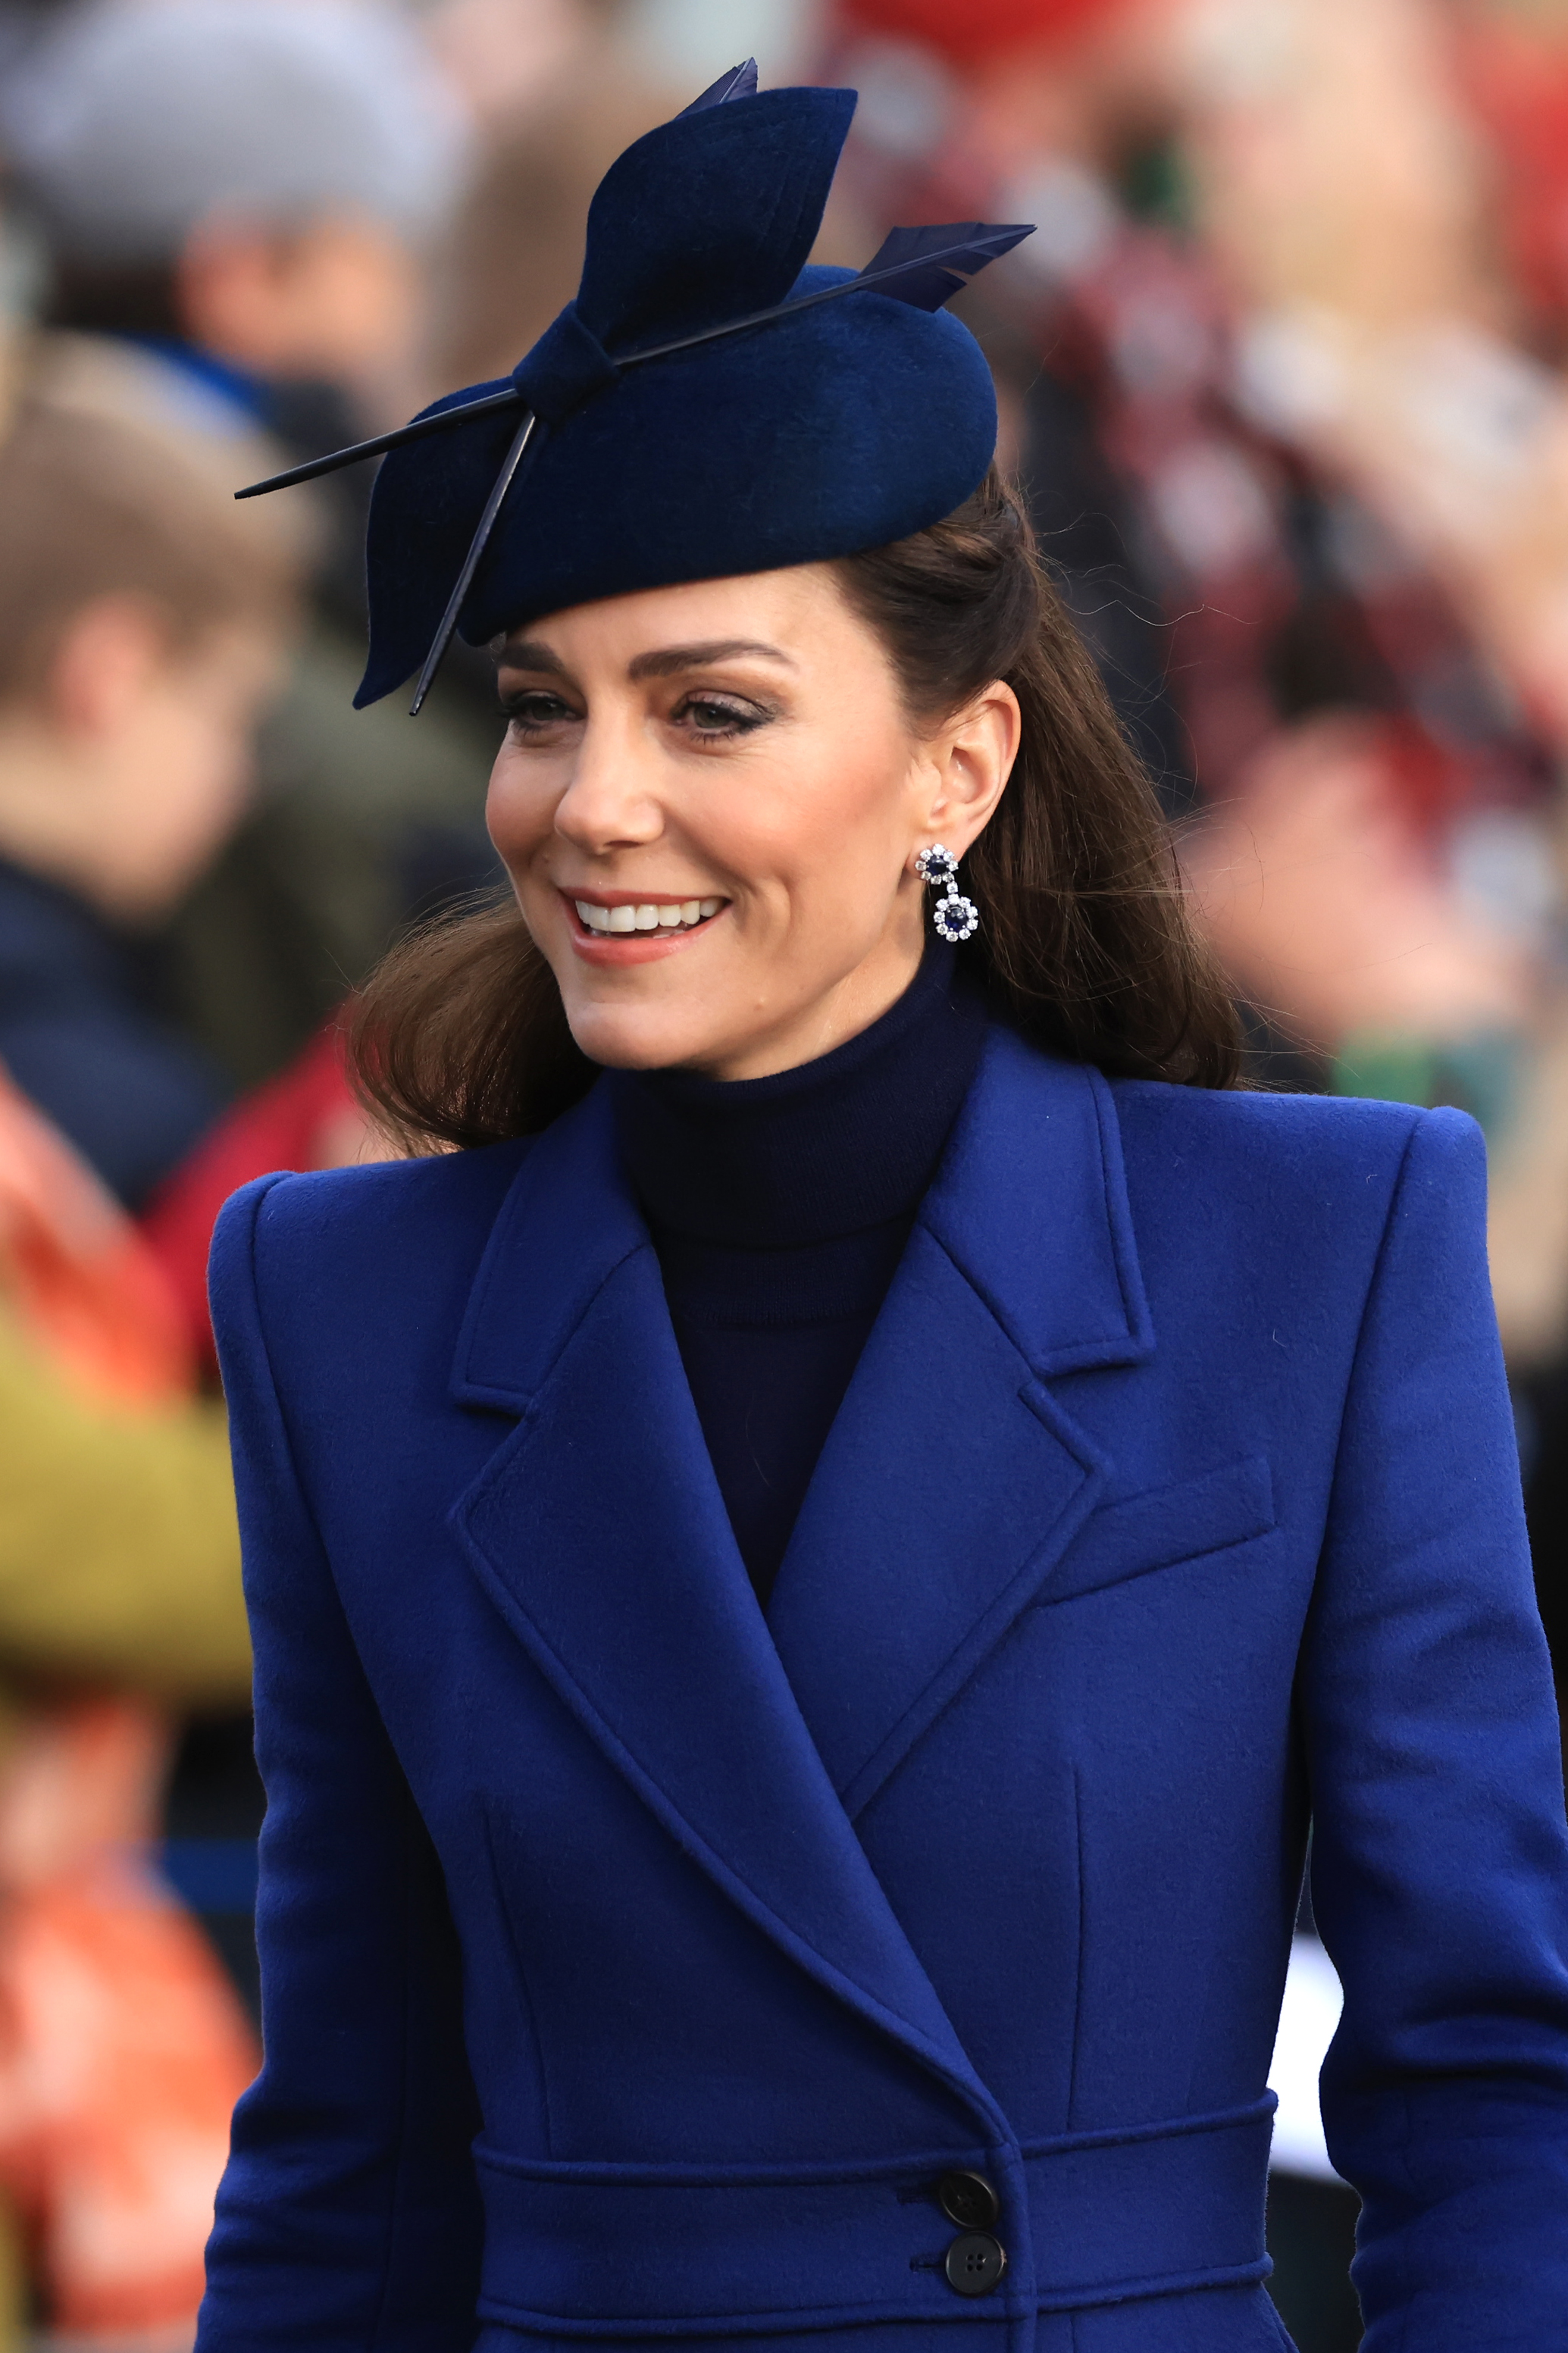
x,y
831,1149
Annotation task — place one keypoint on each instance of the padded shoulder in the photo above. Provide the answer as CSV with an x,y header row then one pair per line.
x,y
363,1247
1307,1138
1294,1195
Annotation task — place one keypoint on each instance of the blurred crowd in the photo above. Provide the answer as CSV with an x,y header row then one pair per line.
x,y
1284,371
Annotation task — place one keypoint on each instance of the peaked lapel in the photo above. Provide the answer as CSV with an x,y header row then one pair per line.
x,y
598,1529
952,1481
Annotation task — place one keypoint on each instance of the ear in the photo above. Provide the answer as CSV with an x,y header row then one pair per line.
x,y
966,767
109,653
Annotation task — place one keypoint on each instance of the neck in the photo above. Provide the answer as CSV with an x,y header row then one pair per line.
x,y
832,1147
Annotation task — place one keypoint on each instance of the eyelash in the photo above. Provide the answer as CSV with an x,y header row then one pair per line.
x,y
526,716
740,718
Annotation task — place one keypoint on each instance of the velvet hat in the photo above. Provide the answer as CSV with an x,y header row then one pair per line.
x,y
707,405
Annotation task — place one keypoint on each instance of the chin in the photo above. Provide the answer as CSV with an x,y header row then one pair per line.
x,y
624,1038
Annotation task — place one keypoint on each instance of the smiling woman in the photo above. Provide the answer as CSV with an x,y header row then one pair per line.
x,y
777,750
807,1582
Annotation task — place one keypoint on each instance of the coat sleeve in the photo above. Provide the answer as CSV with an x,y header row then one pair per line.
x,y
1440,1853
348,2215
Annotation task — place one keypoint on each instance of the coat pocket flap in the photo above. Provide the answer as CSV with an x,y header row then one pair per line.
x,y
1168,1525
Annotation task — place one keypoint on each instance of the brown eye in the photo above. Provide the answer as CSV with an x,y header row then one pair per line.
x,y
531,713
709,714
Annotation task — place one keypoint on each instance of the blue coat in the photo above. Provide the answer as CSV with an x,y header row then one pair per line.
x,y
633,1967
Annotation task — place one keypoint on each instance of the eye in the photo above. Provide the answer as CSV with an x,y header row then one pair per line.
x,y
718,715
534,711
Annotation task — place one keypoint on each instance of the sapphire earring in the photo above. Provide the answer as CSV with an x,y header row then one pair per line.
x,y
955,917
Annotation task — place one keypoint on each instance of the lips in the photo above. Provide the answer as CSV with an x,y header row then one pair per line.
x,y
646,916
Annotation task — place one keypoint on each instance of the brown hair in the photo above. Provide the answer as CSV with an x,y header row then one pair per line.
x,y
1085,943
97,505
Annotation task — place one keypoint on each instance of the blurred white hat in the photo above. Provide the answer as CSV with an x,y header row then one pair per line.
x,y
136,120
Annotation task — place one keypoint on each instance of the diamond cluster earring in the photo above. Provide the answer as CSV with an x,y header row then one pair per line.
x,y
955,917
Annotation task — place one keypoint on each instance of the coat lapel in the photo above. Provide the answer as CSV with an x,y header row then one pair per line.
x,y
952,1481
599,1532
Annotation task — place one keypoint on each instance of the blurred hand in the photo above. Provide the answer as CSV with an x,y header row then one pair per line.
x,y
1333,161
1326,910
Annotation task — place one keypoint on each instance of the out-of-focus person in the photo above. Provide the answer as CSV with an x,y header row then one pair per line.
x,y
239,196
241,184
1384,190
1239,592
506,60
121,2041
140,626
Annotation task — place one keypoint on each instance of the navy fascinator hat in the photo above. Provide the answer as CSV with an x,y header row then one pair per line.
x,y
707,405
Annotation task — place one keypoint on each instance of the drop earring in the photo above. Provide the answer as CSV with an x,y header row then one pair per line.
x,y
955,917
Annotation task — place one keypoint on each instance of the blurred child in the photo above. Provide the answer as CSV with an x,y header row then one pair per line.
x,y
234,196
140,630
245,182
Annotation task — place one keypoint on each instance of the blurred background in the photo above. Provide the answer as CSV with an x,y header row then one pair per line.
x,y
1284,373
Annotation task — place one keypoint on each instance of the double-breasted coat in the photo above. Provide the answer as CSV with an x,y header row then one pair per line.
x,y
635,1966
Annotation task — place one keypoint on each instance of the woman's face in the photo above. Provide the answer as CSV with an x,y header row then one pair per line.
x,y
709,801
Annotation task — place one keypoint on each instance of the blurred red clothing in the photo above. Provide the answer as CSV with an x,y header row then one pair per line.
x,y
1516,78
966,31
296,1121
123,2048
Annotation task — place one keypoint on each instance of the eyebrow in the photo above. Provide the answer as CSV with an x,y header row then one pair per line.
x,y
528,653
667,660
664,662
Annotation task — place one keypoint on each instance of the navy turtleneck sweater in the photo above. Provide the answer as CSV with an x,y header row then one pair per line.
x,y
778,1207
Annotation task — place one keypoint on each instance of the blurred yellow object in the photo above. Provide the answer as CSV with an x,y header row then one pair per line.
x,y
118,1552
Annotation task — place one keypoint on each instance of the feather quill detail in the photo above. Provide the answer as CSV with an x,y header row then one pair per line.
x,y
926,266
922,267
741,81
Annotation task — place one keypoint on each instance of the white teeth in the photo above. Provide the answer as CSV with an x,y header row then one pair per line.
x,y
648,915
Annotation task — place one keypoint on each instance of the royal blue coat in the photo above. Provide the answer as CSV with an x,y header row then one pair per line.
x,y
634,1967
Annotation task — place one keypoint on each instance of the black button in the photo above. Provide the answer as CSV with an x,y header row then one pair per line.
x,y
975,2264
968,2199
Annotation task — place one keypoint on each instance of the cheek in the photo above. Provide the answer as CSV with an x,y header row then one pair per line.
x,y
826,825
203,764
517,811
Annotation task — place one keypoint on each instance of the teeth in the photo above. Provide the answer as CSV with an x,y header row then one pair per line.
x,y
648,915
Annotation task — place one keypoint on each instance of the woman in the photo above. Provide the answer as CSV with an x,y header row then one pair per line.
x,y
806,1589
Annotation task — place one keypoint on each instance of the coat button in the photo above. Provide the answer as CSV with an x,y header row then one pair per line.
x,y
975,2264
968,2199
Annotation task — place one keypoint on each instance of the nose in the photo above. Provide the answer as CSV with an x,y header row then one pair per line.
x,y
610,802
